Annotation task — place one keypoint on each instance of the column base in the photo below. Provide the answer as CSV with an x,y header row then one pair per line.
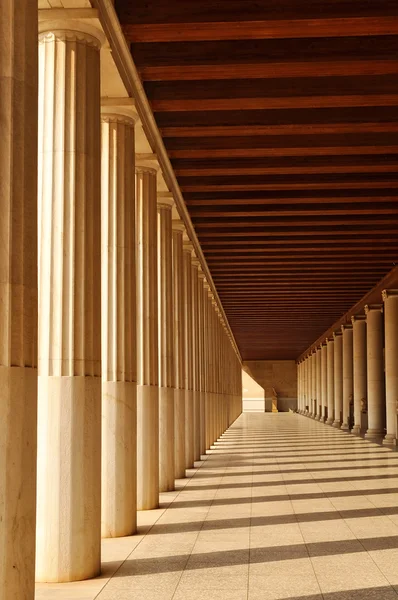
x,y
166,439
329,421
318,418
390,440
68,543
179,433
344,427
18,431
189,429
322,419
336,424
147,447
374,434
119,459
356,430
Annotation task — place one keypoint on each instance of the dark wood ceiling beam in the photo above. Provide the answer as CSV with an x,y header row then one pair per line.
x,y
279,130
269,70
286,102
356,185
284,152
292,201
223,212
272,29
288,170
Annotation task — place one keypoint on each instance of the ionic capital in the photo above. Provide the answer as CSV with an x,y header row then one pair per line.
x,y
146,163
119,110
357,318
375,307
70,30
165,200
388,294
178,225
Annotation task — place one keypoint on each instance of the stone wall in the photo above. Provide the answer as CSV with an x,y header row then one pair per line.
x,y
278,374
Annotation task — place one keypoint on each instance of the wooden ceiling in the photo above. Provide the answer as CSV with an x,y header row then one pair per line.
x,y
280,118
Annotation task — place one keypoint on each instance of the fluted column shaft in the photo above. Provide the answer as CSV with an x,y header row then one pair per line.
x,y
324,381
338,378
119,357
330,380
166,343
347,374
318,403
202,362
359,371
147,341
18,297
69,417
390,298
189,396
313,387
179,349
375,364
195,358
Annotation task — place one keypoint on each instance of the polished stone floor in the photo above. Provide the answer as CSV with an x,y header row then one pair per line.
x,y
283,507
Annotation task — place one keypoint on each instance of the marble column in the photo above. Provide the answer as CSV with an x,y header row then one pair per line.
x,y
18,297
119,356
179,349
300,407
147,338
309,381
330,380
338,378
313,379
318,404
189,396
347,374
375,364
202,361
390,298
359,372
166,343
69,390
195,357
324,381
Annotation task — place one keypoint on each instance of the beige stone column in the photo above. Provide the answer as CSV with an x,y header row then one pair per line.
x,y
309,381
318,410
166,344
347,374
299,396
179,349
195,357
202,361
189,396
119,356
324,381
313,374
207,350
69,415
330,380
375,364
390,298
147,338
359,372
18,297
338,378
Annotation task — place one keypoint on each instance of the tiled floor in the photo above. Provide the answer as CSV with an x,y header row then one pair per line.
x,y
282,508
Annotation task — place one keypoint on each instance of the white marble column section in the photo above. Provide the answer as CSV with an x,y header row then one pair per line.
x,y
166,343
318,410
189,396
375,364
147,338
360,370
69,393
195,357
179,349
338,378
330,380
324,380
18,297
119,356
347,374
390,298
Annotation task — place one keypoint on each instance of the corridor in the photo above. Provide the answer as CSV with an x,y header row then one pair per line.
x,y
283,507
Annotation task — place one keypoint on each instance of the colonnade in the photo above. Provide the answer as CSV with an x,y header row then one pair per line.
x,y
111,334
356,374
